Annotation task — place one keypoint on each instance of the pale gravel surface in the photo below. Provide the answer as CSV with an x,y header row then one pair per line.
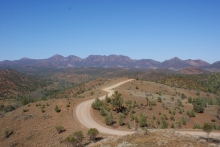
x,y
197,133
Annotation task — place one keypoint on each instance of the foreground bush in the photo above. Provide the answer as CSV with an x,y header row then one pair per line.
x,y
7,132
92,133
60,129
207,127
57,109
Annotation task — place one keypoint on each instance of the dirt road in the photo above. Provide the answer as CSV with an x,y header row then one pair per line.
x,y
198,133
83,115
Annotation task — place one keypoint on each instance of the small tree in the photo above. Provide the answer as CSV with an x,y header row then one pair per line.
x,y
207,127
97,104
57,109
109,119
92,93
172,125
159,99
117,101
183,96
92,133
189,100
79,137
183,120
103,112
107,99
142,120
164,124
128,125
70,141
120,119
7,132
179,102
60,129
198,105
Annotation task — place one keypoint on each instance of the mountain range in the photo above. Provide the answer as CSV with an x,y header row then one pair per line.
x,y
119,61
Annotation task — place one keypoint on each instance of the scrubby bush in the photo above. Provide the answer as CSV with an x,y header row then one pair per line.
x,y
183,96
128,125
172,125
103,112
197,126
142,120
57,109
97,104
60,129
183,120
107,99
191,113
79,137
189,100
120,119
7,132
109,119
25,110
159,99
164,124
71,141
179,102
207,127
198,105
92,133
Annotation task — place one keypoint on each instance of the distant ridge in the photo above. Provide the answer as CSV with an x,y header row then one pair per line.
x,y
111,61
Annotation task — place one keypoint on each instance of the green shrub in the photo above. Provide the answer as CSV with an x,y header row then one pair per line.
x,y
109,119
25,110
213,120
92,133
150,108
79,137
107,99
97,104
159,99
172,125
164,124
71,141
60,129
189,100
42,110
197,126
7,132
103,112
142,120
183,120
145,131
191,113
152,103
57,109
128,125
198,105
207,127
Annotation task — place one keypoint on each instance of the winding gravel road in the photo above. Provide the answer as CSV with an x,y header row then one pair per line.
x,y
83,114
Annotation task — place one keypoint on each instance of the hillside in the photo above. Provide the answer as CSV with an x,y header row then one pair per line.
x,y
34,124
193,70
13,83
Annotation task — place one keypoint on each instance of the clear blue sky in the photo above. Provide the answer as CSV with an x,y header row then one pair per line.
x,y
149,29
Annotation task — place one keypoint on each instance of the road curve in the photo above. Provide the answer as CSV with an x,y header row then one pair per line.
x,y
83,115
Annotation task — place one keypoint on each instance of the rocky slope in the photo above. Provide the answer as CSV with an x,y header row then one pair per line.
x,y
58,61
